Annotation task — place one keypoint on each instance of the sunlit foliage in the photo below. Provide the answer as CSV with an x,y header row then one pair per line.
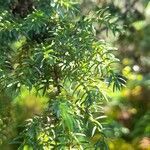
x,y
50,47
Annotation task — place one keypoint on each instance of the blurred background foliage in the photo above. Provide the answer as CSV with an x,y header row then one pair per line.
x,y
128,122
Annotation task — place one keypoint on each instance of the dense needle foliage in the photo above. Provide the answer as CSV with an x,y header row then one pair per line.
x,y
48,45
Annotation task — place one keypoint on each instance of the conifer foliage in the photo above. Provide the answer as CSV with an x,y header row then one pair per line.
x,y
50,46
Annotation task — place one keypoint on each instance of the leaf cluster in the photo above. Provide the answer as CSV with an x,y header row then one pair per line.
x,y
54,49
